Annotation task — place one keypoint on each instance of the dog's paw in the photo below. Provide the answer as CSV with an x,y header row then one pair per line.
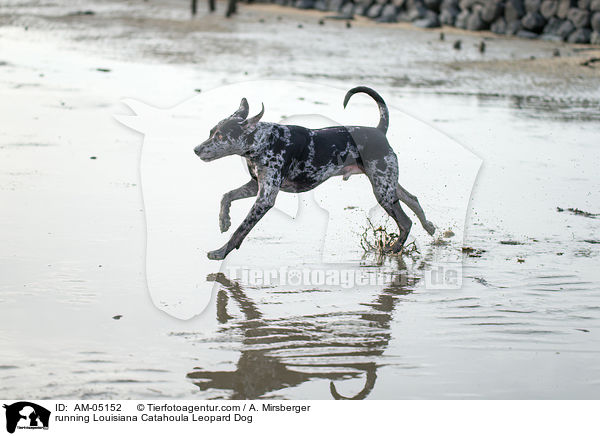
x,y
224,223
217,254
429,228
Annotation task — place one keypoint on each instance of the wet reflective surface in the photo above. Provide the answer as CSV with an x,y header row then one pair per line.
x,y
524,324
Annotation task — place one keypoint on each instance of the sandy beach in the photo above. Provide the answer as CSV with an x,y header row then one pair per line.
x,y
77,317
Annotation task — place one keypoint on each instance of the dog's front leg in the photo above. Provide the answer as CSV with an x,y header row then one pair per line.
x,y
250,189
267,192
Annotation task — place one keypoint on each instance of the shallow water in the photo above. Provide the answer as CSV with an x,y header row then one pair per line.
x,y
524,324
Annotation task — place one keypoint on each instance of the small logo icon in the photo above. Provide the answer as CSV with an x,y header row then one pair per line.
x,y
26,415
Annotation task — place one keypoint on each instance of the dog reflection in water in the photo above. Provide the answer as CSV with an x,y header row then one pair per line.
x,y
327,346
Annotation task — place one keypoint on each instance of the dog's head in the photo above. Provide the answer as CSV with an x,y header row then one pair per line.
x,y
229,135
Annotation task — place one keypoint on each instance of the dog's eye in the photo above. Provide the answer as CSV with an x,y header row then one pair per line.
x,y
220,136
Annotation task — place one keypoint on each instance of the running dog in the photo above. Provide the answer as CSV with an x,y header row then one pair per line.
x,y
296,159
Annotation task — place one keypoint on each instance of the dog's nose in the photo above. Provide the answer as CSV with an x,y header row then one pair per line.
x,y
197,150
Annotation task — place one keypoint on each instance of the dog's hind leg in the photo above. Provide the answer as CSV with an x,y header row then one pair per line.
x,y
413,203
250,189
384,181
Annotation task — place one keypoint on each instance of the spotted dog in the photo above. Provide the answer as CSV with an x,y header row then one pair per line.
x,y
296,159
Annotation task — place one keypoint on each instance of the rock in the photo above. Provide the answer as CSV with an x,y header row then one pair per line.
x,y
583,4
595,38
399,3
389,14
433,5
375,10
595,5
429,22
556,53
553,25
549,37
595,21
565,29
461,19
499,26
305,4
563,8
533,21
512,27
482,47
514,10
448,16
548,8
526,34
468,4
321,5
580,36
362,7
347,9
447,4
533,5
457,44
417,12
492,10
474,22
579,17
335,5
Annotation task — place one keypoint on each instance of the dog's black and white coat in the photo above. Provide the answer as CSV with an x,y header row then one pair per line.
x,y
297,159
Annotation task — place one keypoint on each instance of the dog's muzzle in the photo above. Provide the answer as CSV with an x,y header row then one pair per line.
x,y
203,154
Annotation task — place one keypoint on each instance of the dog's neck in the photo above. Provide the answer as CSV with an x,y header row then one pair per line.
x,y
256,142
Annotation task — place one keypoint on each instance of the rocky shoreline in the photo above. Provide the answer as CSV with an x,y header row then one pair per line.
x,y
574,21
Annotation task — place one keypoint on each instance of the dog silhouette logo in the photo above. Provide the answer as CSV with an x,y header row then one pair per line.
x,y
26,415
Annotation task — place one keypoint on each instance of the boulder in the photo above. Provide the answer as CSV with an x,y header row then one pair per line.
x,y
595,5
526,34
583,4
492,10
321,5
335,5
579,17
389,14
448,16
595,21
563,8
429,22
552,26
565,29
399,3
375,10
595,38
433,5
512,27
549,37
461,19
362,8
475,22
347,10
514,10
417,12
533,5
533,22
499,26
580,36
305,4
548,8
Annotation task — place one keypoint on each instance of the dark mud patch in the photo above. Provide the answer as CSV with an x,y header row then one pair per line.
x,y
579,212
510,242
473,252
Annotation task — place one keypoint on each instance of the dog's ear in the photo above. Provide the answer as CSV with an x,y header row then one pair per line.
x,y
250,123
242,111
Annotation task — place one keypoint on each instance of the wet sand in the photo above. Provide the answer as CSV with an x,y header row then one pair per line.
x,y
525,324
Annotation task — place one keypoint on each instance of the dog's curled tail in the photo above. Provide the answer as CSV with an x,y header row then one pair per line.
x,y
384,115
